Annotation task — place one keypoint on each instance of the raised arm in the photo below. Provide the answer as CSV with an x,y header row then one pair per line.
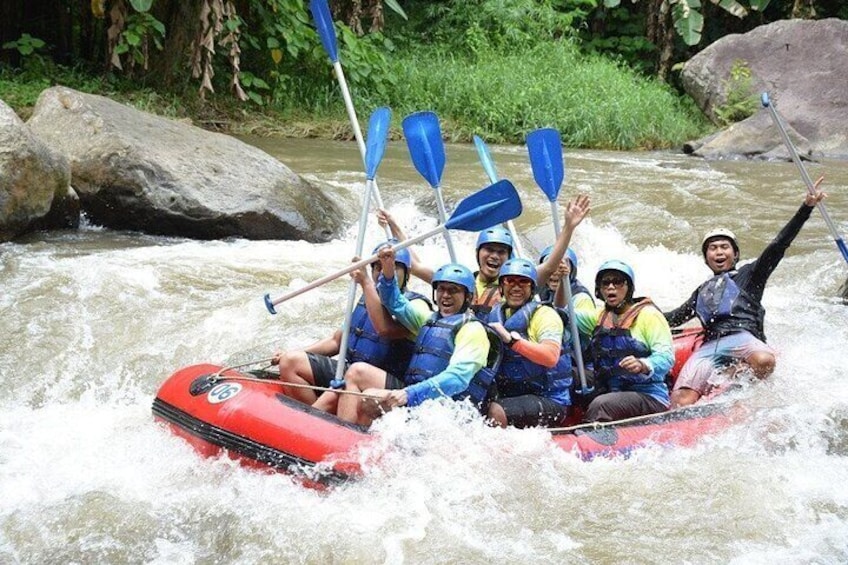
x,y
575,211
418,268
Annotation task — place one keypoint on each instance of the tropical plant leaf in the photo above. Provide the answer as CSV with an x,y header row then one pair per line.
x,y
395,7
759,5
141,5
688,21
611,3
732,7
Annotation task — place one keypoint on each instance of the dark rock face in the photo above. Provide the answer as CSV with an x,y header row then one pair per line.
x,y
802,65
136,171
35,187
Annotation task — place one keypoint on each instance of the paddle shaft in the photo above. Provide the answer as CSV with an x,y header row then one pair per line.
x,y
489,167
351,292
443,216
806,178
354,266
572,319
357,131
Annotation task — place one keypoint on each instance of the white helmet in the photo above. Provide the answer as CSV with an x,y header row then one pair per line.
x,y
719,233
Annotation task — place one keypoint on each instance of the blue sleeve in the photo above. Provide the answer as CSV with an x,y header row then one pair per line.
x,y
469,355
398,305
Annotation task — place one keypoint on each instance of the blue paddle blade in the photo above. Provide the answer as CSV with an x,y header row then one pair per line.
x,y
545,148
485,159
764,99
375,146
495,204
324,24
424,140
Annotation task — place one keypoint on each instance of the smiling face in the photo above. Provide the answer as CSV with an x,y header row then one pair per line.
x,y
720,255
450,298
490,258
516,290
614,288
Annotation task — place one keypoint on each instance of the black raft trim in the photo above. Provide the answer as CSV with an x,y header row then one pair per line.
x,y
246,447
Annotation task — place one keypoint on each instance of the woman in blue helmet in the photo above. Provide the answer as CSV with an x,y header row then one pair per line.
x,y
374,337
533,381
451,348
631,348
550,293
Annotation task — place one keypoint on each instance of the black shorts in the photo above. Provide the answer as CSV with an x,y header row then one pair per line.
x,y
323,369
530,410
394,383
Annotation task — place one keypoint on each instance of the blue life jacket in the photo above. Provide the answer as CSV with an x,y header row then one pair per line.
x,y
433,350
518,375
612,342
725,309
366,345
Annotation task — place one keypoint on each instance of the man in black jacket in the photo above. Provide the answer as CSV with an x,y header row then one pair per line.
x,y
729,306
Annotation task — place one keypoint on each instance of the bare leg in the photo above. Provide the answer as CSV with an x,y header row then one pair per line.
x,y
328,402
684,397
359,377
496,415
295,368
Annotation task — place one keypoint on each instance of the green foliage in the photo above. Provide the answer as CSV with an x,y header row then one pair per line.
x,y
141,28
480,26
741,102
592,101
282,47
25,45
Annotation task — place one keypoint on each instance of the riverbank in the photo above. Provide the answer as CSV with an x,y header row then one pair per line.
x,y
594,102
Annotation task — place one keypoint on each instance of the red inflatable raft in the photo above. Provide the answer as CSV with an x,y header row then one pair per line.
x,y
222,410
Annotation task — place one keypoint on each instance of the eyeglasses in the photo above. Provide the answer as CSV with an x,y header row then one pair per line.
x,y
617,282
449,288
516,281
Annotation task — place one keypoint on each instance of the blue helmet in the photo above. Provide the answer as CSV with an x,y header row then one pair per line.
x,y
457,274
621,267
495,234
520,268
570,254
402,256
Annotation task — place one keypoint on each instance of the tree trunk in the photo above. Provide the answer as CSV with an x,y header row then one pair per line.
x,y
171,66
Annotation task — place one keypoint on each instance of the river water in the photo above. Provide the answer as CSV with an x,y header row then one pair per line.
x,y
91,322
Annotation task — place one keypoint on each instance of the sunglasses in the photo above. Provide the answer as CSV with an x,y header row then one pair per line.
x,y
617,282
515,281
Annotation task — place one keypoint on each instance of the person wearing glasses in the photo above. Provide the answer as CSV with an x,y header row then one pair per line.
x,y
451,349
729,307
533,383
631,348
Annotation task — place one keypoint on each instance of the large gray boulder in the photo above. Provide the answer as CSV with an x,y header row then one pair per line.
x,y
133,170
801,64
35,189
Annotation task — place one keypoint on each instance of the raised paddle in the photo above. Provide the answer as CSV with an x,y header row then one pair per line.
x,y
494,204
378,129
489,167
808,182
324,25
424,140
546,160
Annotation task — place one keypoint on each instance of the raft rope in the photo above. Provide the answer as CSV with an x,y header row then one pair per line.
x,y
616,423
218,376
